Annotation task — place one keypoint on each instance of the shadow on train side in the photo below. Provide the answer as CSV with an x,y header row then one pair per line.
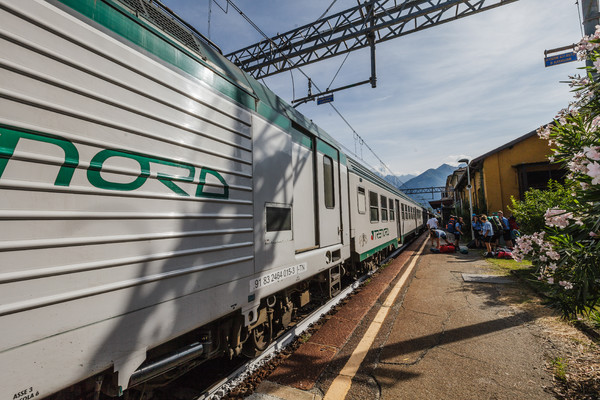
x,y
193,312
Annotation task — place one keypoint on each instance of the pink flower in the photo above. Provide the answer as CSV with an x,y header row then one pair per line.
x,y
557,217
544,132
592,152
566,285
593,170
551,281
593,234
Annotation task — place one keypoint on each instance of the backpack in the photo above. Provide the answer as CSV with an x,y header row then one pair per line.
x,y
450,225
497,225
504,254
448,248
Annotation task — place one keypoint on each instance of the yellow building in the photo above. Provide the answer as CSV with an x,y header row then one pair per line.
x,y
509,170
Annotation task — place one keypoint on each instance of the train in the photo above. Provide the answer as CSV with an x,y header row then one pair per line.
x,y
159,206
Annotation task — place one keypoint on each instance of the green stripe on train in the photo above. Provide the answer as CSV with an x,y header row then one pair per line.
x,y
393,242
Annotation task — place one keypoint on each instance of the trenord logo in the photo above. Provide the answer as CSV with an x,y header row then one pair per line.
x,y
10,137
380,233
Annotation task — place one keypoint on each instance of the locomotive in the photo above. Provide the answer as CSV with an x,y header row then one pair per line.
x,y
160,207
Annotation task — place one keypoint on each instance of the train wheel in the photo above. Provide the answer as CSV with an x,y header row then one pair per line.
x,y
257,342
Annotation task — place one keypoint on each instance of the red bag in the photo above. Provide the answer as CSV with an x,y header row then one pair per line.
x,y
504,254
447,248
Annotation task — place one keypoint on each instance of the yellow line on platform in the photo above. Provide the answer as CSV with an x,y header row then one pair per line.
x,y
341,384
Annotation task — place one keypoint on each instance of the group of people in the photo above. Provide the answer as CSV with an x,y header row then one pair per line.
x,y
455,227
487,231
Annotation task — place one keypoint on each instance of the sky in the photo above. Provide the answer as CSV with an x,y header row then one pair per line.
x,y
457,90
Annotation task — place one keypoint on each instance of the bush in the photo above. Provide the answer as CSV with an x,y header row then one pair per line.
x,y
530,211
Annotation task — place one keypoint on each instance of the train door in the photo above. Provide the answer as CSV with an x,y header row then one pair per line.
x,y
305,203
399,219
328,178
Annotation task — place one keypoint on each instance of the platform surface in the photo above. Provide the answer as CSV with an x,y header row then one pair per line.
x,y
444,337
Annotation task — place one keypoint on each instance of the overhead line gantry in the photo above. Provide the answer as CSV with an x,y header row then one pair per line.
x,y
364,25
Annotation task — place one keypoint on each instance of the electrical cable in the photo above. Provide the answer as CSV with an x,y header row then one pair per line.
x,y
225,10
209,14
307,77
326,11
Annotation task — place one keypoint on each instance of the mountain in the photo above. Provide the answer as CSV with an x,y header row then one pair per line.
x,y
430,178
398,180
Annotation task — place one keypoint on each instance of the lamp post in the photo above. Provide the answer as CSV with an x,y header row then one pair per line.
x,y
466,160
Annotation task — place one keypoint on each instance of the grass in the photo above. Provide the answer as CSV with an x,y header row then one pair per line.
x,y
560,368
508,265
304,338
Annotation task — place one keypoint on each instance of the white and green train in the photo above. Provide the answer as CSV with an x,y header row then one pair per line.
x,y
159,207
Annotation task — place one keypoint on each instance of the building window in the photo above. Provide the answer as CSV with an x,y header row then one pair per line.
x,y
384,211
374,206
537,175
392,214
362,200
328,182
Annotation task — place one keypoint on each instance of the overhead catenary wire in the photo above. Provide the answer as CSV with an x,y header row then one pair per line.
x,y
236,8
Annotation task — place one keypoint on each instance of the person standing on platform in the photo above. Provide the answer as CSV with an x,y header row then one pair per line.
x,y
477,224
506,230
487,232
458,231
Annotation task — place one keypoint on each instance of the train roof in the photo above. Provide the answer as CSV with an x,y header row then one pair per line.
x,y
167,36
364,172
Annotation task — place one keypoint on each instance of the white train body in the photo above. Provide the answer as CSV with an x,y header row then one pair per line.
x,y
148,191
382,217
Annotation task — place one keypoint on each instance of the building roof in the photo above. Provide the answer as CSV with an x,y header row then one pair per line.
x,y
503,147
508,145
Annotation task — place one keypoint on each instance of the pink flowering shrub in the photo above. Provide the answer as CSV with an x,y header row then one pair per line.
x,y
567,251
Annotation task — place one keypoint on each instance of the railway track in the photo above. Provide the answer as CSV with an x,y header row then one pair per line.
x,y
234,374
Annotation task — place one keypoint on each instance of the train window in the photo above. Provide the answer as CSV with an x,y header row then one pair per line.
x,y
328,182
362,200
403,212
384,211
392,216
279,219
374,206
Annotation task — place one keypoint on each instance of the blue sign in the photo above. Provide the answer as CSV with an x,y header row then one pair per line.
x,y
560,59
325,99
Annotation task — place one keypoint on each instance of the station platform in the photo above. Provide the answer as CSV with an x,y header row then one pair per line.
x,y
428,326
